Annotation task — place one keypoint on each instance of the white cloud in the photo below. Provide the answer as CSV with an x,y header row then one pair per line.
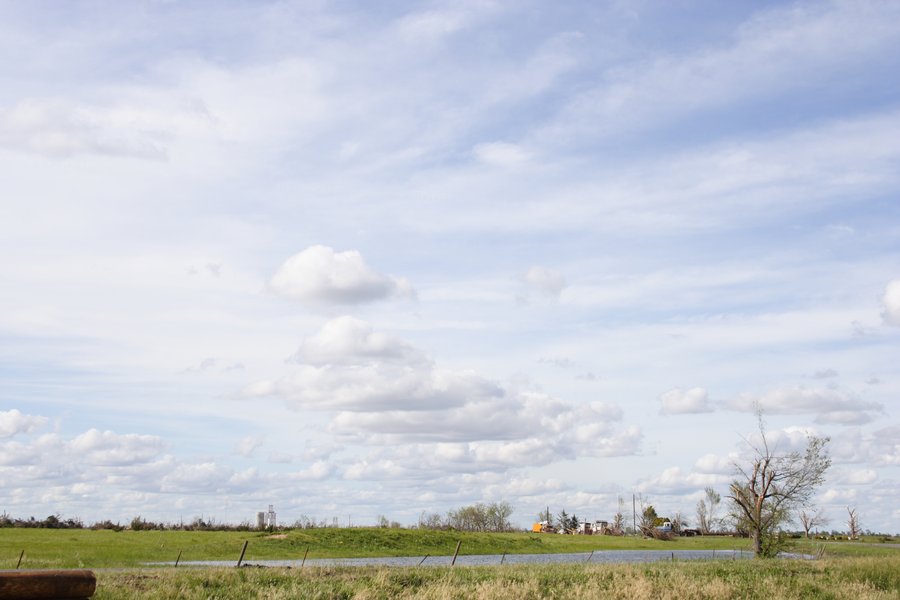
x,y
108,448
715,464
860,477
13,422
350,341
674,480
248,445
376,387
773,54
207,477
59,128
891,303
825,374
17,453
830,405
319,275
681,402
385,394
545,281
502,154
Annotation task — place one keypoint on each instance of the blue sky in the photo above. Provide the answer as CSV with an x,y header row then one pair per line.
x,y
358,261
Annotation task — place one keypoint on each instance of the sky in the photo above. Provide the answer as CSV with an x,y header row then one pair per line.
x,y
356,259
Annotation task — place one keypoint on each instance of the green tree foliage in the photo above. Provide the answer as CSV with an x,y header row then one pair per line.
x,y
772,486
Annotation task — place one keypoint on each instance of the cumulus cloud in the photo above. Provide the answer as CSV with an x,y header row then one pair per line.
x,y
545,281
682,402
13,422
109,448
860,477
383,392
833,406
248,445
207,477
891,303
319,275
348,340
376,387
675,481
715,464
18,454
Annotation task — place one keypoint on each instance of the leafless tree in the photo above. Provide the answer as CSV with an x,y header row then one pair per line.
x,y
678,523
811,518
773,485
618,523
706,511
852,524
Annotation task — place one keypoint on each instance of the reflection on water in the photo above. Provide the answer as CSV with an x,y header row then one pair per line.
x,y
599,556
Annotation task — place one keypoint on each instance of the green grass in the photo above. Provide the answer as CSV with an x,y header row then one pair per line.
x,y
858,578
66,548
851,570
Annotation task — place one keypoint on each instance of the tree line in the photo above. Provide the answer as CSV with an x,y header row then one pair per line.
x,y
475,517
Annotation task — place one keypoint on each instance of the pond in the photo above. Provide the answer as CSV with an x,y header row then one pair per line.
x,y
599,556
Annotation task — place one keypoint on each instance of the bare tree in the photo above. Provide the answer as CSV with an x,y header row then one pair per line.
x,y
773,485
706,511
852,524
678,523
648,518
618,522
811,518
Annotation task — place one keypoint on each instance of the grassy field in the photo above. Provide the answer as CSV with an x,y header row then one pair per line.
x,y
66,548
850,570
857,578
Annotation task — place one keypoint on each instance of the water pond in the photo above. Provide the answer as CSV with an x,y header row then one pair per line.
x,y
599,556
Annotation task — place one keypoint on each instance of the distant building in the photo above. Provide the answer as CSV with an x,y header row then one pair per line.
x,y
266,519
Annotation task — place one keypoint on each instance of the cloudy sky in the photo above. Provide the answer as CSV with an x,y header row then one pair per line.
x,y
357,259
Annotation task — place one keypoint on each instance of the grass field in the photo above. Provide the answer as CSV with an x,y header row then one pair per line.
x,y
857,578
66,548
850,570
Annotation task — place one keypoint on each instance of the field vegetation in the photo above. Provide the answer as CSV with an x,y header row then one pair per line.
x,y
861,578
71,548
858,569
65,548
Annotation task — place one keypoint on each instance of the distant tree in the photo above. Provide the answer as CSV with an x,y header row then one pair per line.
x,y
811,518
563,519
853,529
498,516
431,521
706,511
618,522
573,523
773,485
648,520
678,523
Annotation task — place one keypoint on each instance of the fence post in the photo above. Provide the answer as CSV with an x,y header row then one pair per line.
x,y
423,560
244,549
178,558
20,559
304,557
456,553
590,557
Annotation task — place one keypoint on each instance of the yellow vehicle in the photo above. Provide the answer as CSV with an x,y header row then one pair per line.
x,y
543,527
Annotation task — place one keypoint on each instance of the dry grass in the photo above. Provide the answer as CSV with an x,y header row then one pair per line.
x,y
838,578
